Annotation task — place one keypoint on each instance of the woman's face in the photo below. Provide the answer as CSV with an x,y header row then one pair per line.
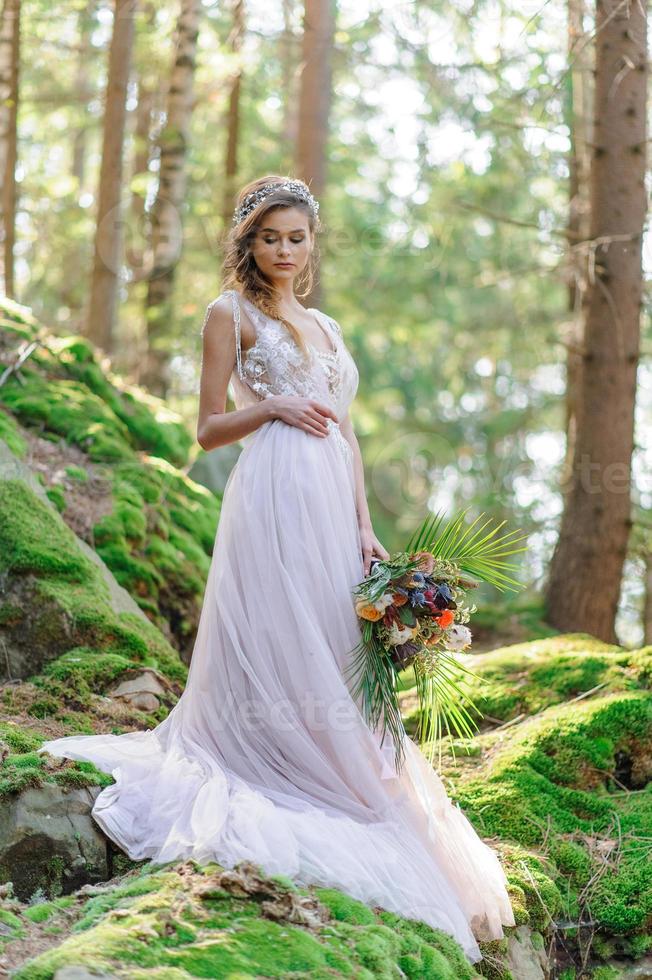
x,y
283,237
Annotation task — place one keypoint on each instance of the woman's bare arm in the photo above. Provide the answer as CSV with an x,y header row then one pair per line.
x,y
215,426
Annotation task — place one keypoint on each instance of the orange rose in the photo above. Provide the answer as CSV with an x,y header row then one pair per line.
x,y
369,612
399,598
446,617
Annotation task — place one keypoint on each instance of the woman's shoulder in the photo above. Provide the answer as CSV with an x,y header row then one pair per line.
x,y
225,315
219,313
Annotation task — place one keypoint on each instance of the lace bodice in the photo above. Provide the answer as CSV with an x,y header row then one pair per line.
x,y
275,365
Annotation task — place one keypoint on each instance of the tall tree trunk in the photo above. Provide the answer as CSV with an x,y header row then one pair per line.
x,y
72,291
236,38
9,91
585,574
167,210
108,237
647,609
84,90
315,101
287,54
134,250
579,119
149,105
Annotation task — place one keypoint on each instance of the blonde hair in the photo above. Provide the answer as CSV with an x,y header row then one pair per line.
x,y
239,268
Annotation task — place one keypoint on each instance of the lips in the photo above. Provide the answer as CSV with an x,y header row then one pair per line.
x,y
284,265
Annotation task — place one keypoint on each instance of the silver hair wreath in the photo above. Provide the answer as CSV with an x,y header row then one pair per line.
x,y
252,200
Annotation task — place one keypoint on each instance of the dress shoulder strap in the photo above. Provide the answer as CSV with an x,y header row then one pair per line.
x,y
236,323
334,324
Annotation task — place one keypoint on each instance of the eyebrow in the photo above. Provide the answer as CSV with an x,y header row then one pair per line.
x,y
293,232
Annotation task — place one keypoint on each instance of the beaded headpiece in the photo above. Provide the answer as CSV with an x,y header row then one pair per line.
x,y
252,200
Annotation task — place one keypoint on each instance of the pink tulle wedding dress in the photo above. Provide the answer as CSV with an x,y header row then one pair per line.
x,y
266,756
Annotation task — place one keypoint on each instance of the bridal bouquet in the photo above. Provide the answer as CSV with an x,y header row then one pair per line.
x,y
413,609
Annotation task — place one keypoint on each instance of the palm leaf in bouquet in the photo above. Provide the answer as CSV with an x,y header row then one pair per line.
x,y
413,608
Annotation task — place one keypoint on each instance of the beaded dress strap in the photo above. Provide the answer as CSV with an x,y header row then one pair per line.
x,y
236,321
334,325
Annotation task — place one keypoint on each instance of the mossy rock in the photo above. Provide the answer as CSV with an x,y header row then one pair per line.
x,y
556,782
66,602
65,391
526,678
158,534
200,920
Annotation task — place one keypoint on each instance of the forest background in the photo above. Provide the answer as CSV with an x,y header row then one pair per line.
x,y
450,146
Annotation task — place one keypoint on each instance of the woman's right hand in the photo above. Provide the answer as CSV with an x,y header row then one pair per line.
x,y
308,414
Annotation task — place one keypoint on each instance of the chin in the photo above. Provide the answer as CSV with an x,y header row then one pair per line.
x,y
283,274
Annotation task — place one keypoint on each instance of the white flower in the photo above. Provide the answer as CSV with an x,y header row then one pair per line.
x,y
399,633
458,637
385,600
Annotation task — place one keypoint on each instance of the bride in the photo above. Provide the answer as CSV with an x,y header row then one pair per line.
x,y
267,756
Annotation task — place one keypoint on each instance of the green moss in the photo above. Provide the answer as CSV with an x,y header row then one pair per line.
x,y
58,497
158,537
19,739
21,771
98,906
284,882
34,539
343,908
427,952
85,670
42,911
552,781
151,425
10,433
70,410
192,927
493,964
572,859
77,473
148,552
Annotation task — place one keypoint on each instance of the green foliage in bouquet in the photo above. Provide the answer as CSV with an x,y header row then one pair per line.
x,y
413,610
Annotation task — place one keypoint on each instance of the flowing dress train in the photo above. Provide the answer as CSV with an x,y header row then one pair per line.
x,y
266,756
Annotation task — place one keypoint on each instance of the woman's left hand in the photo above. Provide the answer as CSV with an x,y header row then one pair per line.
x,y
371,547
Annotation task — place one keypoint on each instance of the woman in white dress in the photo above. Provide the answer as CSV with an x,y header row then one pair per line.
x,y
267,756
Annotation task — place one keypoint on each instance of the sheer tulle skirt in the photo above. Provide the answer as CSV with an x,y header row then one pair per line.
x,y
266,756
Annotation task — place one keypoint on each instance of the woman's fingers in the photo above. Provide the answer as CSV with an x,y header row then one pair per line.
x,y
325,410
317,422
366,558
315,426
